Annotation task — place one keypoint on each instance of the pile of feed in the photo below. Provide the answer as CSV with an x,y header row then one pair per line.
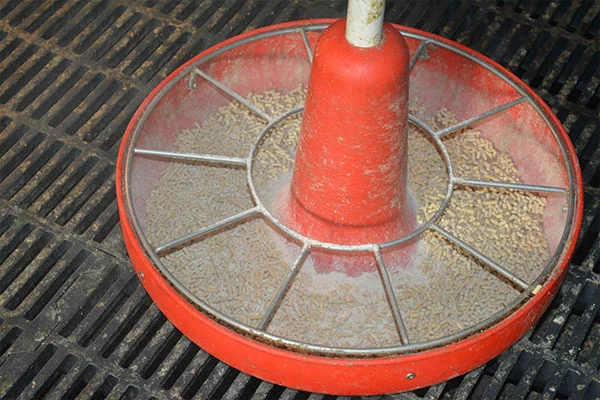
x,y
238,270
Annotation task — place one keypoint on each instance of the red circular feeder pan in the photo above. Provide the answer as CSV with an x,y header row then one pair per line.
x,y
448,76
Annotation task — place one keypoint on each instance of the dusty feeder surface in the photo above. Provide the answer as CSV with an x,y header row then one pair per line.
x,y
239,271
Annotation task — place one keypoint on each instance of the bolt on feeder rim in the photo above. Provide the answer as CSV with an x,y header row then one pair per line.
x,y
573,193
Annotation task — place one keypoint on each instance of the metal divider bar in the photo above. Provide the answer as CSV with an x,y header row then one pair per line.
x,y
233,94
208,158
309,51
521,284
508,185
417,54
443,132
283,289
244,215
391,297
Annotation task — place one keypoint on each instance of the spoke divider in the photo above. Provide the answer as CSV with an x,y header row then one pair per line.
x,y
417,54
234,94
285,287
244,215
446,131
391,297
521,284
208,158
508,185
309,51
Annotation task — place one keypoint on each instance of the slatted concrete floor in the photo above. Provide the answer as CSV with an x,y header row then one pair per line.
x,y
74,320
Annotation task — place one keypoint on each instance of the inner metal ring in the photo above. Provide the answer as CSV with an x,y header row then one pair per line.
x,y
440,147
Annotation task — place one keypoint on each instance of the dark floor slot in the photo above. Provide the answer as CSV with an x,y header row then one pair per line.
x,y
8,49
9,339
114,136
165,57
132,43
119,335
53,7
116,35
135,351
12,138
302,395
26,77
43,84
115,305
110,115
107,198
164,350
130,393
48,179
65,366
63,189
34,167
21,155
91,188
150,48
62,21
80,382
105,389
15,270
181,365
199,378
31,372
249,388
107,227
275,392
109,279
104,98
10,6
16,64
6,222
225,383
100,29
59,93
38,275
68,37
11,246
76,99
56,284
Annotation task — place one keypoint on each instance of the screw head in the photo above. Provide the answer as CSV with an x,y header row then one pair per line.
x,y
141,275
410,375
192,84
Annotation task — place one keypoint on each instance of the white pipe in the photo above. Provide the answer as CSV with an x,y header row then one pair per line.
x,y
364,22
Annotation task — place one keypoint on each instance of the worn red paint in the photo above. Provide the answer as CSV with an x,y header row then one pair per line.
x,y
349,181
